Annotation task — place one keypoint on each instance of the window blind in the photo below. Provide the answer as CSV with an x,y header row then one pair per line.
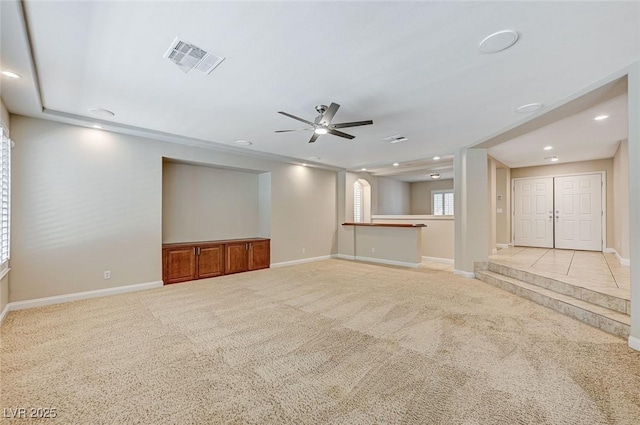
x,y
357,202
5,188
442,203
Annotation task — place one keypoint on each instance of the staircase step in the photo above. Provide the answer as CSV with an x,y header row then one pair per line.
x,y
612,302
598,316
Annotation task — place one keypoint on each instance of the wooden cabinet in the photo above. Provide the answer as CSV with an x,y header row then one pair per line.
x,y
259,255
190,261
210,260
178,264
237,257
245,255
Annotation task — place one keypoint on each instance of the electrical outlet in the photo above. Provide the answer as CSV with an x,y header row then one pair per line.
x,y
107,274
373,249
304,250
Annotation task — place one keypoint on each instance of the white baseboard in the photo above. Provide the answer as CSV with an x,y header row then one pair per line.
x,y
634,343
503,245
622,261
388,262
39,302
438,260
464,274
494,251
344,256
5,310
301,261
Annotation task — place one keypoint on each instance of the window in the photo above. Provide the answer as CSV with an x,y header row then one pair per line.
x,y
442,202
5,187
357,202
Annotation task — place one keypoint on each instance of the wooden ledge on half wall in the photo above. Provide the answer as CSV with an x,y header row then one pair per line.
x,y
385,224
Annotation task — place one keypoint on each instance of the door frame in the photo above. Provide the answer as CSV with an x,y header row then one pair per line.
x,y
603,194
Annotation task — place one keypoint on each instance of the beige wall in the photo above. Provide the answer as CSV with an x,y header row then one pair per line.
x,y
605,165
4,115
85,201
437,237
421,195
503,222
394,196
621,200
206,203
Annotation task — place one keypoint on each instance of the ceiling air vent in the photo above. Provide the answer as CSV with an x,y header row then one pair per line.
x,y
395,139
187,57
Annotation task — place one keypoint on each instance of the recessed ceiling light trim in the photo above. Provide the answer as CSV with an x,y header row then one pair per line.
x,y
529,107
436,158
244,142
547,148
96,126
435,176
396,164
102,112
363,169
498,41
11,74
601,117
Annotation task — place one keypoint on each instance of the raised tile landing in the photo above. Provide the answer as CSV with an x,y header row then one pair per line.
x,y
587,269
589,286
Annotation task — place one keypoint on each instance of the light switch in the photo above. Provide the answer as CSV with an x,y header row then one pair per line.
x,y
499,210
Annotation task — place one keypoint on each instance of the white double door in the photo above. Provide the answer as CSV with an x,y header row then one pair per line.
x,y
559,212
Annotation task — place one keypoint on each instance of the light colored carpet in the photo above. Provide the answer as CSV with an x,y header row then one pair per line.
x,y
332,342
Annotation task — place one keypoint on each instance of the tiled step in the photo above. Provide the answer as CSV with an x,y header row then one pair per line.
x,y
612,302
600,317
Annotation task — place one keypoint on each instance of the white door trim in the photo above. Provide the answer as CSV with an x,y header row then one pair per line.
x,y
603,192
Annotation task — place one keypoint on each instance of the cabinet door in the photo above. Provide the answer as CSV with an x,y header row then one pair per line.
x,y
259,255
179,264
210,260
236,257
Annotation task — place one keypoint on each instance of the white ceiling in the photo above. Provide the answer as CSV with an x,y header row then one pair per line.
x,y
412,67
575,138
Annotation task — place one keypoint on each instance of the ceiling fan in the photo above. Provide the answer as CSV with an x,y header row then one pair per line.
x,y
322,123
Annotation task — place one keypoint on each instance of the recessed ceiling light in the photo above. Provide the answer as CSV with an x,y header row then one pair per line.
x,y
304,164
101,112
435,158
554,159
244,142
321,130
363,169
435,176
97,126
498,41
601,117
314,158
548,148
395,164
529,107
11,74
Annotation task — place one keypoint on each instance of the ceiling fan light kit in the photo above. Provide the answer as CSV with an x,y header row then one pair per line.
x,y
322,123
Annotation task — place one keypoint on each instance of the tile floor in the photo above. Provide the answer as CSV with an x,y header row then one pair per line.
x,y
589,269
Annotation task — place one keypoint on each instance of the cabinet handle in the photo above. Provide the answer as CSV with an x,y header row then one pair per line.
x,y
198,250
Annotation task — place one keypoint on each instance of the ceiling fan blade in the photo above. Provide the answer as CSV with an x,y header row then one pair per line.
x,y
314,137
286,131
340,134
352,124
296,118
328,115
